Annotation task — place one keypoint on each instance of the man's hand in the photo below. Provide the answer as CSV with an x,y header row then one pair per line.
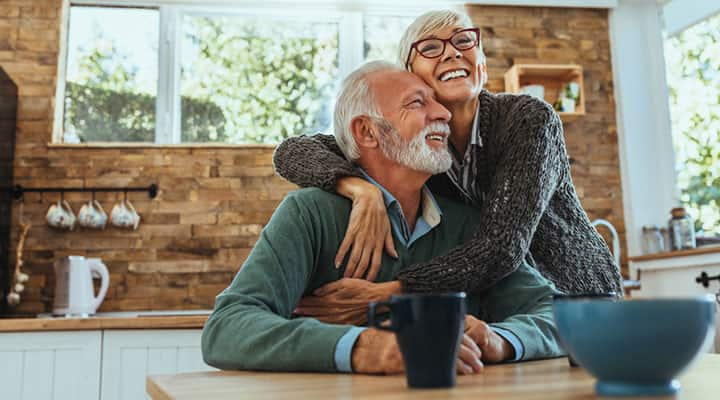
x,y
493,346
345,301
377,352
469,356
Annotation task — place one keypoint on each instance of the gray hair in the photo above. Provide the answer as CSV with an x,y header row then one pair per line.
x,y
355,99
427,24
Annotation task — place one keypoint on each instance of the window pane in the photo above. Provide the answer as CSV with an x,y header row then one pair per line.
x,y
251,80
693,72
382,34
112,73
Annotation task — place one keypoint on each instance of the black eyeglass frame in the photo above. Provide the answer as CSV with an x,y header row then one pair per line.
x,y
444,42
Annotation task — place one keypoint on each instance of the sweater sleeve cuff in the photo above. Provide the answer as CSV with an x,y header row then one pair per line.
x,y
513,339
343,349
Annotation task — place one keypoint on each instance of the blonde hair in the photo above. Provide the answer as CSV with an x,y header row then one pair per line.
x,y
427,24
355,98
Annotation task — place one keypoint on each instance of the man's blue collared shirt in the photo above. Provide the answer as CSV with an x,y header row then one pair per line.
x,y
429,218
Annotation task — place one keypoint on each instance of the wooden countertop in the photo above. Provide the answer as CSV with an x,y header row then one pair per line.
x,y
678,253
94,323
546,379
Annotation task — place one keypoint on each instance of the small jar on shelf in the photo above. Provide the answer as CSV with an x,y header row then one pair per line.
x,y
653,241
682,229
667,246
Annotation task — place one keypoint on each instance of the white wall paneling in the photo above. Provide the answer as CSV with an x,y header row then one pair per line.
x,y
643,117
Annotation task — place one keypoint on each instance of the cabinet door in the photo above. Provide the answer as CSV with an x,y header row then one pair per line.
x,y
130,355
675,277
50,365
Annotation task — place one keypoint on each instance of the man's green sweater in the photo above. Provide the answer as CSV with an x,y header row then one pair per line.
x,y
252,326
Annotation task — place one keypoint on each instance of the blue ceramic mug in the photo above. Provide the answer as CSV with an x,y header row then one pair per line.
x,y
429,329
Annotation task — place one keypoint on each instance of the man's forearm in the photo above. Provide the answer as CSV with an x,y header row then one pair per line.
x,y
242,335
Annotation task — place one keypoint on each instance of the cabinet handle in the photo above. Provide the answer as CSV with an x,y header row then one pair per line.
x,y
705,279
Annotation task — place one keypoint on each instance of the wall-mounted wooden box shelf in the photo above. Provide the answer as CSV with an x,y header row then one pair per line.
x,y
552,77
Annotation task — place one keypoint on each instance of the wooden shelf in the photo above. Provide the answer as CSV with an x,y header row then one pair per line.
x,y
677,253
552,77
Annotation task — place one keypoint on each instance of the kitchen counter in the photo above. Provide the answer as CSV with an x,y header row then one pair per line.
x,y
184,319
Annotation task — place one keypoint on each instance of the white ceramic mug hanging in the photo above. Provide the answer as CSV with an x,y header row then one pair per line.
x,y
92,215
61,216
123,215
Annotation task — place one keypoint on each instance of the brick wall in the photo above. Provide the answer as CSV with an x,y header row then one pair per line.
x,y
577,36
214,201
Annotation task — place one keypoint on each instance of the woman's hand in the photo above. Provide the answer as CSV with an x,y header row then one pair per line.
x,y
368,230
345,301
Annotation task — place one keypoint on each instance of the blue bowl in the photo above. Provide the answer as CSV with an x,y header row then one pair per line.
x,y
635,347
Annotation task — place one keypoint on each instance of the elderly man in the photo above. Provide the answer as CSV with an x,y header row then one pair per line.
x,y
388,122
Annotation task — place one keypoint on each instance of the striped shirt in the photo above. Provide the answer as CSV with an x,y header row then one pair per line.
x,y
462,173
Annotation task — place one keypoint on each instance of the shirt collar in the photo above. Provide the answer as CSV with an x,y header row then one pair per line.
x,y
475,138
430,213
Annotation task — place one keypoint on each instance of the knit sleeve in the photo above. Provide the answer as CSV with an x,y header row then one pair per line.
x,y
530,163
312,160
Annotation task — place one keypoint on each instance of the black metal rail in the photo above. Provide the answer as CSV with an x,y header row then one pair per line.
x,y
19,191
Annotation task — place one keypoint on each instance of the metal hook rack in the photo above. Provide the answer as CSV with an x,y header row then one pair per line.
x,y
19,191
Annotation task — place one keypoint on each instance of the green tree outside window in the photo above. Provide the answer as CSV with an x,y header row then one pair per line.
x,y
693,71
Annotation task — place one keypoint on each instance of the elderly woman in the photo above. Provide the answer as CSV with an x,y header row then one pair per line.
x,y
509,160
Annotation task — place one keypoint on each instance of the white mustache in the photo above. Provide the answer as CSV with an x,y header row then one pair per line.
x,y
436,127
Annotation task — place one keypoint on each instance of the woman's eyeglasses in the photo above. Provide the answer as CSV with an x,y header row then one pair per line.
x,y
465,39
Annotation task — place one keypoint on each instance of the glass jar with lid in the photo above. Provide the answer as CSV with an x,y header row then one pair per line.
x,y
682,229
652,240
667,245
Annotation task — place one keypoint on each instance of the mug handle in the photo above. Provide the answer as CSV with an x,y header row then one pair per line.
x,y
372,319
98,207
70,213
130,207
136,216
66,206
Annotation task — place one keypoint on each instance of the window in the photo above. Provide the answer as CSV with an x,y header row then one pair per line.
x,y
693,72
111,75
249,80
220,74
382,35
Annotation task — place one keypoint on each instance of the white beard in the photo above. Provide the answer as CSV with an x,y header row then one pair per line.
x,y
417,154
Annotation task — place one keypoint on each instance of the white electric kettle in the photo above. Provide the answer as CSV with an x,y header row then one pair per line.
x,y
74,292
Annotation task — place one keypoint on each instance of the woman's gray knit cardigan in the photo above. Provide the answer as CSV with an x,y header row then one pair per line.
x,y
529,206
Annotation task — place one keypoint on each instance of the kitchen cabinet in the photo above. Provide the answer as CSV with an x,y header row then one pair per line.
x,y
93,364
130,355
50,365
673,275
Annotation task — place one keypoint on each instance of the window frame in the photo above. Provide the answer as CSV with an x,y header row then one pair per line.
x,y
349,18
